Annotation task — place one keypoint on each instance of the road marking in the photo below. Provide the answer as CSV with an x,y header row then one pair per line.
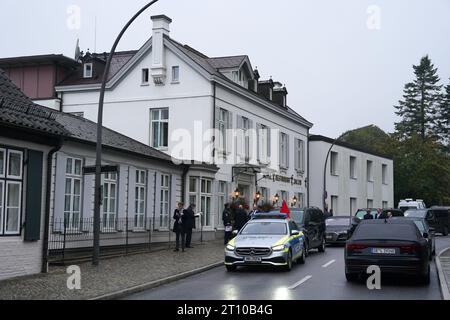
x,y
328,263
295,285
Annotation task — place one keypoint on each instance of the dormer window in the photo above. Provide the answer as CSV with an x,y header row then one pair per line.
x,y
235,76
87,72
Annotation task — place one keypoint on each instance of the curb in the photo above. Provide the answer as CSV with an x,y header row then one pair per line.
x,y
445,290
149,285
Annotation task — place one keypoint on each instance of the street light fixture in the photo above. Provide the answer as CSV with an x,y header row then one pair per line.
x,y
294,201
236,193
276,199
257,197
98,161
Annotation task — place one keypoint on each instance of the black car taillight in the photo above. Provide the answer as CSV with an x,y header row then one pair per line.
x,y
350,247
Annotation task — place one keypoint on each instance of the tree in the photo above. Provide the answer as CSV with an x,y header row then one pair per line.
x,y
370,137
443,118
420,103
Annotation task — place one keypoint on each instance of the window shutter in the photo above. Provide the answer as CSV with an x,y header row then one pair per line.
x,y
174,198
122,194
259,146
150,201
157,199
33,213
280,150
229,142
131,193
60,185
287,151
216,131
303,156
296,154
269,142
239,139
88,197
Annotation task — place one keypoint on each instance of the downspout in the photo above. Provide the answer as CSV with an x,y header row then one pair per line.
x,y
214,123
47,204
308,174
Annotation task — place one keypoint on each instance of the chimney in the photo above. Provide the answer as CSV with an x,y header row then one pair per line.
x,y
280,94
161,28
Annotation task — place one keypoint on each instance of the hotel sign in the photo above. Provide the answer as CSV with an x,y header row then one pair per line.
x,y
285,179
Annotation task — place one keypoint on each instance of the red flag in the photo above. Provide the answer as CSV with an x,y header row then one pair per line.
x,y
285,209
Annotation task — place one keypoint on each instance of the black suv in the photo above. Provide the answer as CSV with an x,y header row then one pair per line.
x,y
311,220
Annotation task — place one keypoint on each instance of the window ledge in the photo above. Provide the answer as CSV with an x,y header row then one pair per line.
x,y
145,84
353,178
334,175
175,82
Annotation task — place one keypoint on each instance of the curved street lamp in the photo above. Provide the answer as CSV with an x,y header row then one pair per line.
x,y
98,161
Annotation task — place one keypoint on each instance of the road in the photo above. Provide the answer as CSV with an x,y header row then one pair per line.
x,y
322,277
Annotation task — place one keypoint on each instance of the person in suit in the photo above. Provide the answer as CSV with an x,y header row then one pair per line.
x,y
189,223
241,218
368,216
178,227
227,218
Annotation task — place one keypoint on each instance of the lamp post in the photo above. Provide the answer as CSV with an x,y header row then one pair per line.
x,y
257,197
325,194
98,161
276,198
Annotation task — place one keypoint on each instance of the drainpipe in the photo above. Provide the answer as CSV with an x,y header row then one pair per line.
x,y
183,183
214,122
48,184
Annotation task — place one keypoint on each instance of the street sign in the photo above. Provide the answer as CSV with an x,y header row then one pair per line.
x,y
105,169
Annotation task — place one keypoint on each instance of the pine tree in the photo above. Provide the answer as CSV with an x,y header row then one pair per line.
x,y
421,102
443,118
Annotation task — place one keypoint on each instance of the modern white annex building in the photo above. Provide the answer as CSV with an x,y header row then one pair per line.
x,y
354,178
170,96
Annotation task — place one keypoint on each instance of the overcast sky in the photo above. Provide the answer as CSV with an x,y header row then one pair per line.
x,y
344,62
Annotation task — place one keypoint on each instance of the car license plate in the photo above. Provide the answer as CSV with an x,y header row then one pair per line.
x,y
252,259
383,250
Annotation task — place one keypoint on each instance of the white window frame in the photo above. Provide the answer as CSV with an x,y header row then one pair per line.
x,y
263,136
352,168
371,203
141,184
206,218
384,174
221,200
108,182
164,201
73,177
334,161
3,151
88,74
369,170
246,143
175,78
284,150
6,207
2,203
223,126
145,76
265,197
160,123
8,176
300,155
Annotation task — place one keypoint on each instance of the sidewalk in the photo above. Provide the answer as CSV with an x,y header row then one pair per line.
x,y
443,266
114,275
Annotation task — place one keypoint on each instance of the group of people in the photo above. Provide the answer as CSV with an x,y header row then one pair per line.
x,y
378,215
235,219
183,225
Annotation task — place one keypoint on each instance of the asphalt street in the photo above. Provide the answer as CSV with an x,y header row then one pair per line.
x,y
322,277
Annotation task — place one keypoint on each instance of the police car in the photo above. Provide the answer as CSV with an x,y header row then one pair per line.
x,y
267,239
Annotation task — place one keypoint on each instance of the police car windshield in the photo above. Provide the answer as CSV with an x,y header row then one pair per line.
x,y
272,228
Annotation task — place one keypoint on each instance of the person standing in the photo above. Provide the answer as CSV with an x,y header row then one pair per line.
x,y
178,227
189,223
241,218
227,218
368,215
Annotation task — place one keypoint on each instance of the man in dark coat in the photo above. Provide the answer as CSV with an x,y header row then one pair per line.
x,y
189,223
227,218
368,216
241,218
178,227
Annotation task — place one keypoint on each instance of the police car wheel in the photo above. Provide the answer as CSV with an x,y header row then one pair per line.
x,y
322,246
288,266
231,268
302,258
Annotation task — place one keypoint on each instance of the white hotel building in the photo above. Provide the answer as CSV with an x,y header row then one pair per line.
x,y
167,95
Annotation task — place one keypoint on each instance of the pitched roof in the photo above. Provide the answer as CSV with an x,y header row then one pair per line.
x,y
41,59
17,110
226,62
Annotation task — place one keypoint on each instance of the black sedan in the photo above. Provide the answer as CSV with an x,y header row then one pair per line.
x,y
338,229
395,245
427,232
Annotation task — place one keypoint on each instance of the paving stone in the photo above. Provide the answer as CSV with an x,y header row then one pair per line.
x,y
112,274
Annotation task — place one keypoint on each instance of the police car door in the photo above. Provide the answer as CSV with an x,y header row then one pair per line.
x,y
295,240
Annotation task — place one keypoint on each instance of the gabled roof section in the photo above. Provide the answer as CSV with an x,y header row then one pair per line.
x,y
227,62
17,110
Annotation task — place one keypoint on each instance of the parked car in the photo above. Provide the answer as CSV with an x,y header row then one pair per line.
x,y
384,214
437,217
338,229
408,204
274,241
311,221
428,234
395,245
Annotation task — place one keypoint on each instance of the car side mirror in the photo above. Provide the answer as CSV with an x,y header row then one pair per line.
x,y
295,233
425,235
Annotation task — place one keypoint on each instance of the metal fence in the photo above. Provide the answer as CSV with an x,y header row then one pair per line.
x,y
73,239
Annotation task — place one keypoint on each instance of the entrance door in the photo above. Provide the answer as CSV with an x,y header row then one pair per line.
x,y
244,190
